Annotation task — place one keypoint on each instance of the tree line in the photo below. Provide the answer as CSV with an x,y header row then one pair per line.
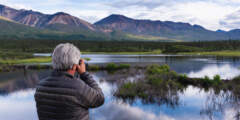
x,y
29,45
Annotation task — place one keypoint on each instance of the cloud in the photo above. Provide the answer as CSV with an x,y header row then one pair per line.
x,y
150,4
203,12
208,13
231,21
230,114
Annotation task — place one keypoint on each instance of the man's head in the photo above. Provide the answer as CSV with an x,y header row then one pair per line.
x,y
65,56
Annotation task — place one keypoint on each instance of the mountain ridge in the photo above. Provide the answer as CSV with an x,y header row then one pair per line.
x,y
168,29
116,26
40,20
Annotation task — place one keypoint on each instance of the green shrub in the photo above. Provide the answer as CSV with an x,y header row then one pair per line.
x,y
157,69
206,81
183,79
206,78
128,90
217,80
142,95
94,67
183,76
111,66
124,66
129,85
154,80
87,59
236,80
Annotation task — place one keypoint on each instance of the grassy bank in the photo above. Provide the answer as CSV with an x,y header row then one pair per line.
x,y
110,67
26,61
214,53
127,53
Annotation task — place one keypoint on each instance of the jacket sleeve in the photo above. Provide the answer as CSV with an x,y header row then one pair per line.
x,y
90,94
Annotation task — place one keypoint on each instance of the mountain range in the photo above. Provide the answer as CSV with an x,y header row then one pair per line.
x,y
22,24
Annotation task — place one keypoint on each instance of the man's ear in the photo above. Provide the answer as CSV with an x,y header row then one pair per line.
x,y
73,70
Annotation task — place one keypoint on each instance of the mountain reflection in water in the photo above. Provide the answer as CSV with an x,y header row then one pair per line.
x,y
17,101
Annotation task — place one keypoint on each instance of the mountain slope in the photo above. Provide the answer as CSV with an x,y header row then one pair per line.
x,y
40,20
167,29
28,23
13,30
16,30
66,19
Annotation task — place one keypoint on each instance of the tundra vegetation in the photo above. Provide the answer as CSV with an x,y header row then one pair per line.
x,y
162,85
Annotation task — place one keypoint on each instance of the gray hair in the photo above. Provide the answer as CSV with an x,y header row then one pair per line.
x,y
65,56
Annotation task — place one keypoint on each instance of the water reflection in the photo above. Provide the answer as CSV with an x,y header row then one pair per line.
x,y
17,102
226,71
225,103
18,105
123,111
194,66
15,81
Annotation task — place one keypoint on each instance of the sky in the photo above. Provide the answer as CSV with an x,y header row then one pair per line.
x,y
211,14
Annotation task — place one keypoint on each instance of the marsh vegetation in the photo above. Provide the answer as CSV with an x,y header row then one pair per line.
x,y
160,81
149,88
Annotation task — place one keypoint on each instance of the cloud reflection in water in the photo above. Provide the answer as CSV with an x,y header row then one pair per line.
x,y
226,71
18,106
122,111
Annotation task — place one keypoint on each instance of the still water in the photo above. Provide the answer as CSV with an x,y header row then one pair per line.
x,y
17,90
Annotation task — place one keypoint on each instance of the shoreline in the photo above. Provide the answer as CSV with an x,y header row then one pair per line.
x,y
47,59
213,53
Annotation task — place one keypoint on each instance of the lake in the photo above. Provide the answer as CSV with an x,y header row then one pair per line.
x,y
17,90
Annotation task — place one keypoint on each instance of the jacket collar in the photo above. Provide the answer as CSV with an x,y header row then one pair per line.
x,y
61,73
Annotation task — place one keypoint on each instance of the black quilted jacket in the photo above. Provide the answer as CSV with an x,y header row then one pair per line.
x,y
65,97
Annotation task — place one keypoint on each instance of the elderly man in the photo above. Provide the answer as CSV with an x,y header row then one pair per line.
x,y
65,95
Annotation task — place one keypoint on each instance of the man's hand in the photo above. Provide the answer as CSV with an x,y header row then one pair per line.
x,y
81,68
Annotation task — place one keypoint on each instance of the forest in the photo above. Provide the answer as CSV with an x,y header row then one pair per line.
x,y
46,46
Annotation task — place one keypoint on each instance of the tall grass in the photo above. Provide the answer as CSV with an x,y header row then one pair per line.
x,y
24,61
